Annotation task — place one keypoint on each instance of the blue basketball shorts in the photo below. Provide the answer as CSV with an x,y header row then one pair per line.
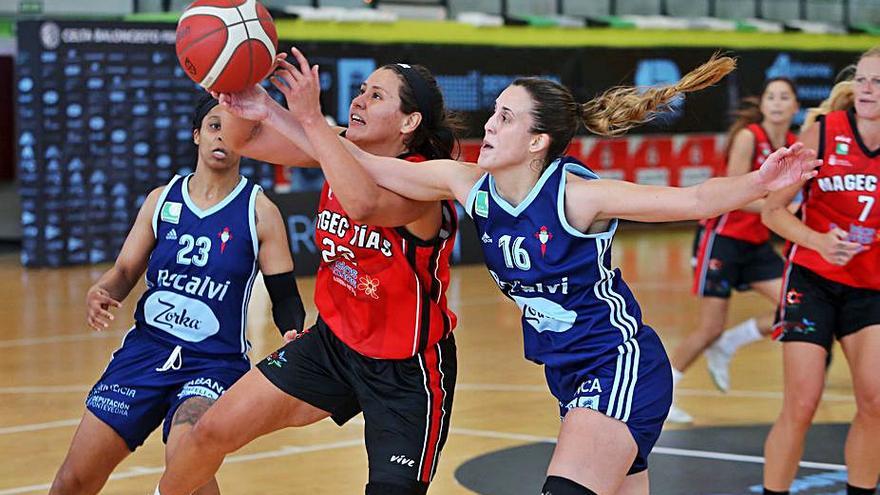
x,y
635,386
147,380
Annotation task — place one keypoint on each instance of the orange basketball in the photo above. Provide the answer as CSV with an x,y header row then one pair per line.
x,y
226,45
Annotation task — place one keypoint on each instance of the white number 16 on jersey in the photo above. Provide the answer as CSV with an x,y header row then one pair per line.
x,y
514,254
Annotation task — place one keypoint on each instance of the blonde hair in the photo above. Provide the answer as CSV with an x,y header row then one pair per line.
x,y
619,109
842,97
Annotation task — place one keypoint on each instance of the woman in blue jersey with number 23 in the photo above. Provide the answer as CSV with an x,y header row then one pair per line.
x,y
547,222
201,239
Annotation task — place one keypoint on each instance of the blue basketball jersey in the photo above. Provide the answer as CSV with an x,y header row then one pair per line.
x,y
576,309
201,271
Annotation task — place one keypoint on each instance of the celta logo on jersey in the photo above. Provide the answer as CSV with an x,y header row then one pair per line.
x,y
170,212
225,236
848,182
402,459
184,317
545,315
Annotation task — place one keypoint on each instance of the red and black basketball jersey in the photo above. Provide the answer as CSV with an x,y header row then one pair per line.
x,y
844,195
382,290
743,225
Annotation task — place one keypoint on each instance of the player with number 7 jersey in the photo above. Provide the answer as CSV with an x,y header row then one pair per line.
x,y
844,195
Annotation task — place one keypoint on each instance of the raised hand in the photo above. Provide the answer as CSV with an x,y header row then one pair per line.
x,y
254,103
98,302
301,86
787,166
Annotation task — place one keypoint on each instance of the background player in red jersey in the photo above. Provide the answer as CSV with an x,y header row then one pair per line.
x,y
382,343
734,250
832,285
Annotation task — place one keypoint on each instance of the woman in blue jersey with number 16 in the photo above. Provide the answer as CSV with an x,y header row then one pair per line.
x,y
201,240
549,222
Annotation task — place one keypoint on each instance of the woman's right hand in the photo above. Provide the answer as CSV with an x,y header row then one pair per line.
x,y
254,103
98,301
835,247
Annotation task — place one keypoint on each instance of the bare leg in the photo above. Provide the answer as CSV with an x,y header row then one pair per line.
x,y
804,380
593,450
252,407
771,289
184,420
713,315
94,453
862,350
635,484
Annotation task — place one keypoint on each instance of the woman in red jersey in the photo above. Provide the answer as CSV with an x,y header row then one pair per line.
x,y
382,344
734,250
831,285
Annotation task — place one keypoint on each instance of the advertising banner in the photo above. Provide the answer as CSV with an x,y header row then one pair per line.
x,y
103,114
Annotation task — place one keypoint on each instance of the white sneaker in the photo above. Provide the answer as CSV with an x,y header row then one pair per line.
x,y
677,415
718,363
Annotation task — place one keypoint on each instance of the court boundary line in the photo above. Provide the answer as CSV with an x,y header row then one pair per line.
x,y
287,450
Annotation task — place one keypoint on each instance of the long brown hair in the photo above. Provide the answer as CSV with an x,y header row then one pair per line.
x,y
749,111
437,134
556,113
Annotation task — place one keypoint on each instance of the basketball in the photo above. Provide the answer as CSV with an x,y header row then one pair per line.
x,y
226,45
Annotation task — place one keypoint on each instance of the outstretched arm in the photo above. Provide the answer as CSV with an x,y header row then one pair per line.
x,y
247,133
606,199
355,175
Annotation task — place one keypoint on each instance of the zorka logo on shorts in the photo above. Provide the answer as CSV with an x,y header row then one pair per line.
x,y
793,297
715,264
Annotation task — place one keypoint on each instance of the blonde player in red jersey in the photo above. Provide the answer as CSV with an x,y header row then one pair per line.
x,y
832,286
734,250
383,341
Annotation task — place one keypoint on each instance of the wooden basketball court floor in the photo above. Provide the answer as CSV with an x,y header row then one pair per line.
x,y
50,358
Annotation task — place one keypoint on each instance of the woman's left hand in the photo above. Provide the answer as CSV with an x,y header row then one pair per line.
x,y
787,166
300,85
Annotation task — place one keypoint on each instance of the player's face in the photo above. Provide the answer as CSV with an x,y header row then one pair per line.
x,y
213,152
866,84
507,132
779,103
374,115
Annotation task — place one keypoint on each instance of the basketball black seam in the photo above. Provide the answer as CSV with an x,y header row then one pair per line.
x,y
200,38
249,48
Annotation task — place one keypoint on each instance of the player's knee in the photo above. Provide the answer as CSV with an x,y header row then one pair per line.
x,y
802,410
69,480
211,434
396,487
869,406
557,485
